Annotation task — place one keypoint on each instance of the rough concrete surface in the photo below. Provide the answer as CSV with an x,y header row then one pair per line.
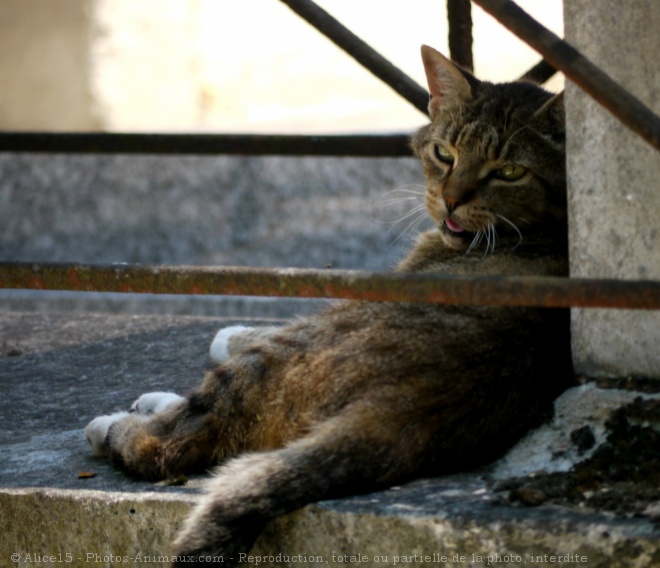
x,y
59,371
550,448
613,185
223,210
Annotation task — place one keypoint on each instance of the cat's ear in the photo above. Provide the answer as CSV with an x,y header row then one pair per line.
x,y
552,111
447,83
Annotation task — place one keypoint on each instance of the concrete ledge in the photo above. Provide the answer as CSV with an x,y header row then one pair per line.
x,y
454,521
63,527
58,371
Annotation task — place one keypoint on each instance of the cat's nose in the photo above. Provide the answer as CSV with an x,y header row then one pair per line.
x,y
452,203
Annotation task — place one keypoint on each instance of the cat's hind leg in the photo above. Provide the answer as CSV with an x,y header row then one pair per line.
x,y
360,450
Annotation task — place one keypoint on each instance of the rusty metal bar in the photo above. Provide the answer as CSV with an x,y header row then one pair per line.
x,y
564,57
364,54
205,144
459,15
356,285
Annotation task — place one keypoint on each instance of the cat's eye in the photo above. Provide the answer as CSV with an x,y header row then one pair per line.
x,y
511,172
443,154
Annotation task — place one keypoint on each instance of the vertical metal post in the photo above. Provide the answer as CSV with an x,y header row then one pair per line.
x,y
459,14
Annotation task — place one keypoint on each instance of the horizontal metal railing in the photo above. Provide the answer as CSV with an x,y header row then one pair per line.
x,y
343,284
366,145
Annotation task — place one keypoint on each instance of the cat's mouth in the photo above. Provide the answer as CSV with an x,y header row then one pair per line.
x,y
456,233
453,226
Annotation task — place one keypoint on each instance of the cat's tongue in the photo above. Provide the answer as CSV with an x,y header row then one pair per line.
x,y
453,226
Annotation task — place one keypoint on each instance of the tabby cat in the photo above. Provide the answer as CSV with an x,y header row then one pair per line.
x,y
366,395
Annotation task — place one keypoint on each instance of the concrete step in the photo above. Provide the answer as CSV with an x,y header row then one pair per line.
x,y
57,371
222,210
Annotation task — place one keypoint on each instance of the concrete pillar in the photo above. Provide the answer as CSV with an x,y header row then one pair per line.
x,y
99,64
44,70
614,184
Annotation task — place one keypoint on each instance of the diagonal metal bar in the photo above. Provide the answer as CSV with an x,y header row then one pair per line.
x,y
459,15
355,285
564,57
540,73
205,144
361,52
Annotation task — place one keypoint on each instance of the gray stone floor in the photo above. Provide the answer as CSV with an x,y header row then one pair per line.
x,y
60,371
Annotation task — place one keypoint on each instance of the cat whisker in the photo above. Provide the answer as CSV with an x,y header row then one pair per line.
x,y
491,236
420,218
487,234
406,192
520,237
488,239
394,201
416,188
393,198
400,195
478,236
403,216
412,227
385,204
496,237
492,239
413,216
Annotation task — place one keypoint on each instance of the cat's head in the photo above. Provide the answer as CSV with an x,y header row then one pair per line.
x,y
493,156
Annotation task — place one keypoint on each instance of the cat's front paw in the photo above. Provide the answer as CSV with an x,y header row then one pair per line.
x,y
154,402
96,431
220,346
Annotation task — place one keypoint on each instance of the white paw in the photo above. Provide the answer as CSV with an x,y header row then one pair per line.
x,y
154,402
97,430
220,345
